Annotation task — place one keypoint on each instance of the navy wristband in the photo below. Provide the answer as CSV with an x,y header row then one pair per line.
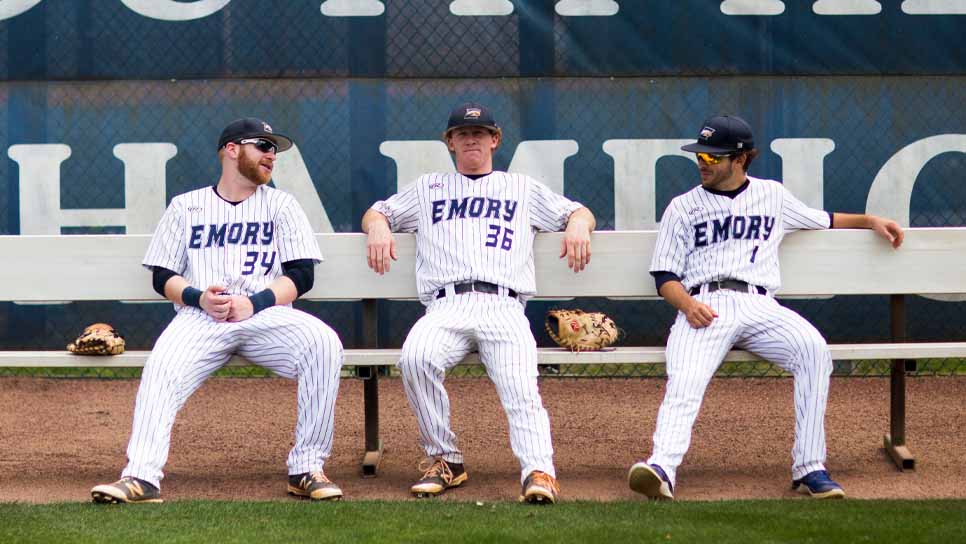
x,y
191,297
262,299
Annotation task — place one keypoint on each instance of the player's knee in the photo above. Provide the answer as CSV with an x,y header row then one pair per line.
x,y
410,364
815,350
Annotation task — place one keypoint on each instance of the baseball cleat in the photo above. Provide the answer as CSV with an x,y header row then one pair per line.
x,y
313,485
126,490
819,485
650,480
540,488
438,477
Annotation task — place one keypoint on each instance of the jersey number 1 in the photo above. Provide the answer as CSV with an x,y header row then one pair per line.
x,y
753,253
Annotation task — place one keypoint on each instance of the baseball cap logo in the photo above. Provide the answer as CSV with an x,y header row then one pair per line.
x,y
707,133
473,113
266,127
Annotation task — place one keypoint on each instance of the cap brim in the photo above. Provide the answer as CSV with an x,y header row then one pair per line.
x,y
488,127
701,148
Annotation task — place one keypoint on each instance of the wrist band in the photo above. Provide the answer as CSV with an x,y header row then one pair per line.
x,y
262,299
191,297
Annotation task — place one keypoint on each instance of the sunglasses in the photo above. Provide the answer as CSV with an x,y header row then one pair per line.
x,y
708,158
261,144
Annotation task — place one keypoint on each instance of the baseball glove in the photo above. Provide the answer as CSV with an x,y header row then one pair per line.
x,y
578,330
98,339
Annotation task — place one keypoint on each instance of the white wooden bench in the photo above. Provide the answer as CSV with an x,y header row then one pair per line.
x,y
814,264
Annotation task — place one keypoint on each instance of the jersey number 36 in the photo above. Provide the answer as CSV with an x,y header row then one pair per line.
x,y
493,238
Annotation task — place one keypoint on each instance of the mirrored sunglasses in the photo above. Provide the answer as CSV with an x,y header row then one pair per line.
x,y
261,144
708,158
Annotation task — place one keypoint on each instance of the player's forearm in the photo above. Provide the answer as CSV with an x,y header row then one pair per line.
x,y
284,289
583,216
853,220
174,288
675,294
371,218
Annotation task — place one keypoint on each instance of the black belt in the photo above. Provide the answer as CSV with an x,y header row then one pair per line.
x,y
477,286
733,285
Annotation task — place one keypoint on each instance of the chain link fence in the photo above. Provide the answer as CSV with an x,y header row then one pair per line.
x,y
93,74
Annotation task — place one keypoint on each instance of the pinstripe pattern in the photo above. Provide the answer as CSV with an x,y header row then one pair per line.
x,y
269,225
476,230
454,248
676,249
241,246
700,242
496,326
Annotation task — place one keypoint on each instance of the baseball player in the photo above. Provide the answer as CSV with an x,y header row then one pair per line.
x,y
474,271
716,261
232,258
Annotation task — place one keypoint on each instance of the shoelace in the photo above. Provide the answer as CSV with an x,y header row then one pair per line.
x,y
319,476
439,469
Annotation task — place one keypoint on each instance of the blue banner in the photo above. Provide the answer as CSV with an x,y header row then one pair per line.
x,y
163,39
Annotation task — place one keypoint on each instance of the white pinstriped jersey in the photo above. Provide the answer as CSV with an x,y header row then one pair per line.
x,y
475,230
707,236
210,241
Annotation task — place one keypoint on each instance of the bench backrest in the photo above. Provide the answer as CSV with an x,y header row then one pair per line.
x,y
107,267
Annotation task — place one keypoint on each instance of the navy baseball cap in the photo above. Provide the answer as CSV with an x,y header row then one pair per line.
x,y
723,134
250,127
471,114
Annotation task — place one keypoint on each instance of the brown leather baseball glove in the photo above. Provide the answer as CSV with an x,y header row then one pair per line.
x,y
98,339
578,330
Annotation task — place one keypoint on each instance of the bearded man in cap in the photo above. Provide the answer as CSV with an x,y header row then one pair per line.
x,y
232,257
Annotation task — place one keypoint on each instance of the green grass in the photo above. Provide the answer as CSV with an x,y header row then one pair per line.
x,y
425,522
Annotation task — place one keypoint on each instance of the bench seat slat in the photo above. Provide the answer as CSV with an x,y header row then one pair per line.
x,y
553,356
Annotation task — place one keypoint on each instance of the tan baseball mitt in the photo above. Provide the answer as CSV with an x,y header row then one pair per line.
x,y
578,330
98,339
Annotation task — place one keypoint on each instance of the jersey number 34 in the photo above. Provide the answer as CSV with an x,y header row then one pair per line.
x,y
252,259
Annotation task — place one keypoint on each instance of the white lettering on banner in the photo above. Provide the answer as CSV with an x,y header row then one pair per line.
x,y
144,189
292,176
635,179
477,8
803,167
934,7
847,7
891,191
12,8
587,8
352,8
752,7
186,10
543,160
415,158
171,10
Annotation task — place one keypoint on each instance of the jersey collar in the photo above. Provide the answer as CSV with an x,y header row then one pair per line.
x,y
732,193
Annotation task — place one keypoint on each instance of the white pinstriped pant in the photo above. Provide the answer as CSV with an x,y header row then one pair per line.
x,y
451,328
759,324
289,342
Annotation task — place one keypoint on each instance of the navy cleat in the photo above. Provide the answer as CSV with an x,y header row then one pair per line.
x,y
819,485
650,480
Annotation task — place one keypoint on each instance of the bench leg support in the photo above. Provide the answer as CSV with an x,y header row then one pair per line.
x,y
895,441
899,453
373,455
